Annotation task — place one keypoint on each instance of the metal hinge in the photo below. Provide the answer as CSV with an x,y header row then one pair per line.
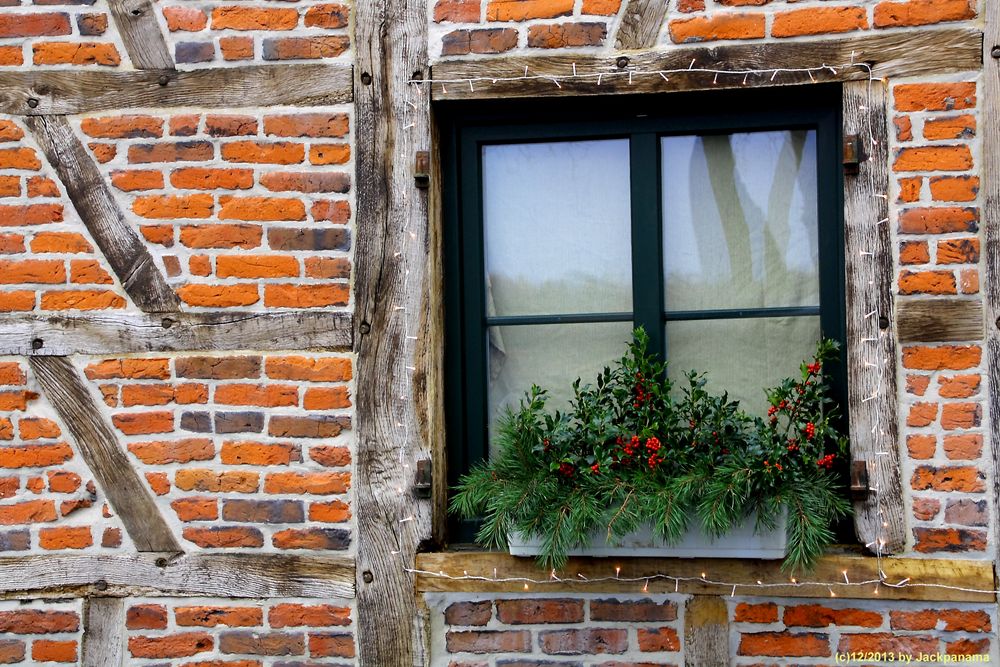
x,y
422,169
854,153
422,481
860,479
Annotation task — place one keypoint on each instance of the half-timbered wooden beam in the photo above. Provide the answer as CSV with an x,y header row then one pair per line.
x,y
68,92
706,632
393,123
121,244
928,578
939,320
127,494
231,575
104,632
140,32
640,24
911,53
989,96
124,333
879,518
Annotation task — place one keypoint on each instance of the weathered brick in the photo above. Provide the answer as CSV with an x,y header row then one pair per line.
x,y
538,610
819,616
313,426
589,641
489,641
313,538
254,18
305,48
308,239
211,617
658,639
263,511
885,642
523,10
299,615
935,96
36,622
170,646
720,26
954,188
469,613
259,454
146,617
34,25
224,537
922,12
196,508
200,479
123,127
785,644
941,357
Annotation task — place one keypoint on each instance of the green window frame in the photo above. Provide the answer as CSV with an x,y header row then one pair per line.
x,y
466,128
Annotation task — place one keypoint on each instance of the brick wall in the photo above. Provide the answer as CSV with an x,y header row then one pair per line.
x,y
249,452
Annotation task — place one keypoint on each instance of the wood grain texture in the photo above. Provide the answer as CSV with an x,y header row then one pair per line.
x,y
640,24
391,301
144,41
118,240
123,333
104,632
909,53
706,632
61,92
230,575
989,190
939,320
928,576
879,520
127,494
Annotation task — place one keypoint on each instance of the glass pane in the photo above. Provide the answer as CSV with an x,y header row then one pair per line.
x,y
740,220
557,227
743,356
551,356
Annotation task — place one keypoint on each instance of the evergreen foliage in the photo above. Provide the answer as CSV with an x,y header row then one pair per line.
x,y
632,451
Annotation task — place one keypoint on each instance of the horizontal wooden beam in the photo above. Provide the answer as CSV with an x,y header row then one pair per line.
x,y
72,92
123,333
939,320
210,574
894,54
929,578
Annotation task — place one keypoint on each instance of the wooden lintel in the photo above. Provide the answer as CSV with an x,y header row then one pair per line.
x,y
929,578
140,32
95,439
898,54
118,240
75,92
231,575
640,24
125,333
939,320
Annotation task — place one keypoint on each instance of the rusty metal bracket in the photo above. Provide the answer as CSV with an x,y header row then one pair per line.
x,y
422,481
860,479
422,169
854,153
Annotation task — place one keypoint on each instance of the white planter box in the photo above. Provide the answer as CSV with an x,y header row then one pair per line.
x,y
740,542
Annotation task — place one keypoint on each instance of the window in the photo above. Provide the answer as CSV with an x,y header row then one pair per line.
x,y
712,220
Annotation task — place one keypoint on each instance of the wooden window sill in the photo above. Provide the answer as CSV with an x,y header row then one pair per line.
x,y
929,578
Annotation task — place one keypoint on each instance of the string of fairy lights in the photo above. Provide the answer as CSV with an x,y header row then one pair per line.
x,y
874,357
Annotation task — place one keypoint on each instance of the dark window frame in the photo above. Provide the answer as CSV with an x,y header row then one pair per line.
x,y
643,120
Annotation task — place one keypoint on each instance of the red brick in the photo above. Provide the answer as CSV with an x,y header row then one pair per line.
x,y
196,509
259,454
958,251
35,456
187,19
557,36
658,639
320,483
261,209
489,641
230,481
819,20
189,151
48,650
951,127
926,509
170,646
914,252
941,357
305,48
81,300
885,642
958,386
230,125
210,617
457,11
329,16
921,446
254,18
785,644
306,296
954,188
965,479
221,236
146,617
34,622
935,96
533,611
590,641
331,645
140,423
951,540
819,616
469,613
133,369
966,446
75,53
224,537
218,296
933,158
922,12
721,26
307,125
961,416
33,25
298,615
335,511
313,538
123,127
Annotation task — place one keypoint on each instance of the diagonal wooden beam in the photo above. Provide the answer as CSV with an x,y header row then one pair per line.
x,y
97,444
121,244
144,41
892,54
640,24
62,92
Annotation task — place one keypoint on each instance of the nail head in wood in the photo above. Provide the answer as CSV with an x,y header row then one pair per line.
x,y
32,102
622,62
37,344
364,327
366,78
367,576
166,323
101,585
161,562
995,52
163,80
883,322
422,169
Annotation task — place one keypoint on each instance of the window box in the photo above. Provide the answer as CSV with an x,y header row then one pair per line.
x,y
740,542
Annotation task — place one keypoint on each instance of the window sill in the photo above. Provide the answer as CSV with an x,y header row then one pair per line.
x,y
929,578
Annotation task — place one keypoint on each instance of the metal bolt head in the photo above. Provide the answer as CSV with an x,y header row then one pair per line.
x,y
101,585
163,80
365,327
367,576
995,52
883,322
622,62
366,78
32,102
37,344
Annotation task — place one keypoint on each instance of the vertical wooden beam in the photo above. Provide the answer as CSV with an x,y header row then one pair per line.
x,y
391,296
144,41
706,632
878,519
125,490
103,632
989,98
118,240
640,24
